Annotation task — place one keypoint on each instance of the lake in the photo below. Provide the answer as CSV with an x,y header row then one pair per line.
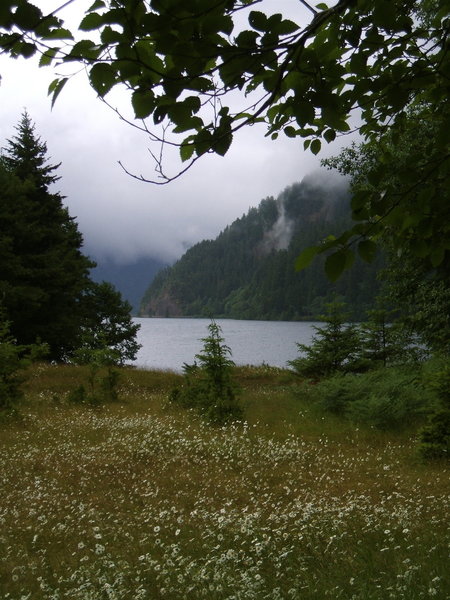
x,y
168,343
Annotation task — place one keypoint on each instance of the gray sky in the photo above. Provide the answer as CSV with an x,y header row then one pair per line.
x,y
121,217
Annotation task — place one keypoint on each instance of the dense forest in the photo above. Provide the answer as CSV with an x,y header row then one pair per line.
x,y
248,271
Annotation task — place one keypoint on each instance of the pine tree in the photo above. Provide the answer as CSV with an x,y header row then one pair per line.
x,y
208,383
335,347
42,269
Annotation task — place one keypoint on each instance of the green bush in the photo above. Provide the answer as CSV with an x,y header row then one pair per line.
x,y
435,437
335,348
102,379
14,359
208,386
387,398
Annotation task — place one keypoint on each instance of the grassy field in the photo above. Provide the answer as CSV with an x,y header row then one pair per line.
x,y
137,500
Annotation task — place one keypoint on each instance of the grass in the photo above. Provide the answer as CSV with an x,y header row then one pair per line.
x,y
136,500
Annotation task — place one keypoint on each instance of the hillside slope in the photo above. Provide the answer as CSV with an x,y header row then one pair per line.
x,y
248,271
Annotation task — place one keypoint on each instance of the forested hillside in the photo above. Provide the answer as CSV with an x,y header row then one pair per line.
x,y
248,271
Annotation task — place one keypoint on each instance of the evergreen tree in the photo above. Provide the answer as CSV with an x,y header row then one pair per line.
x,y
42,269
334,348
208,384
383,341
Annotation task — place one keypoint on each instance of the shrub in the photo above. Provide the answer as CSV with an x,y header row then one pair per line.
x,y
208,386
388,398
435,437
102,377
334,348
14,358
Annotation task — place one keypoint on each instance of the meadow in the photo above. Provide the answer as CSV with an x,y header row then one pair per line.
x,y
140,500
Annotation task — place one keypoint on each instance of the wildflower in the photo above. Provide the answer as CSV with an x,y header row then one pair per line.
x,y
99,549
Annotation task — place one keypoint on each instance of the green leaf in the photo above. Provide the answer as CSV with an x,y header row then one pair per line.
x,y
315,146
48,56
367,250
186,150
110,36
304,112
26,50
290,131
84,50
27,16
306,257
385,14
257,20
96,6
329,135
56,87
222,142
58,34
5,16
90,22
247,39
102,77
336,263
286,27
333,116
143,103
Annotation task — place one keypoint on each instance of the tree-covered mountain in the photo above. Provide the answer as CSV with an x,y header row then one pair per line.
x,y
248,271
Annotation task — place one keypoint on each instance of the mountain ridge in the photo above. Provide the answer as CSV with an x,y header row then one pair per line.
x,y
248,272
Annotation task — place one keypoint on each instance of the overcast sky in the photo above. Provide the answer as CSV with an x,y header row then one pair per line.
x,y
121,217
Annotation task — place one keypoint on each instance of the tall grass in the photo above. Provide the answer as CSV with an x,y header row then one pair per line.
x,y
136,500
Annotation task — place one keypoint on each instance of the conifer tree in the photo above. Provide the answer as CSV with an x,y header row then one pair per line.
x,y
334,348
42,269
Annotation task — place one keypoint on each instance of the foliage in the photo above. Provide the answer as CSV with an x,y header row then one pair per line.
x,y
411,220
386,398
435,437
42,269
44,277
386,341
107,323
102,377
335,347
208,385
304,81
14,359
422,298
182,63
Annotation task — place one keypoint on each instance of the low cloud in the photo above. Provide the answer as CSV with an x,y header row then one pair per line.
x,y
122,218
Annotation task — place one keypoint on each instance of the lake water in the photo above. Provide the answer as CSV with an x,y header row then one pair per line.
x,y
168,343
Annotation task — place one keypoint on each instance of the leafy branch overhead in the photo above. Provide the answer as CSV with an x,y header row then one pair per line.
x,y
178,58
182,63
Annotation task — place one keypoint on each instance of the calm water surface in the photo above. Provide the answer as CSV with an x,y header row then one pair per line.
x,y
168,343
